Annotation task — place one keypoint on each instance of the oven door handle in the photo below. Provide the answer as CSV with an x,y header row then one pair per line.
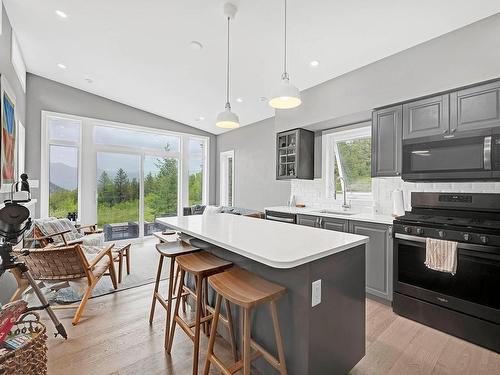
x,y
487,153
465,246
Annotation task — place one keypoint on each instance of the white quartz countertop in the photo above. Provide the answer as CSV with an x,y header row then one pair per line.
x,y
373,218
275,244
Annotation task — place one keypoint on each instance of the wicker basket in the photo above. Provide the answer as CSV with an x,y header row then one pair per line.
x,y
31,358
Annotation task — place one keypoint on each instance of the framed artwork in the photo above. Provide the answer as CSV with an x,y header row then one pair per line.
x,y
8,133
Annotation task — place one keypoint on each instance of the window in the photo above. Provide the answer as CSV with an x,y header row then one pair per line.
x,y
349,161
121,176
63,166
227,178
197,156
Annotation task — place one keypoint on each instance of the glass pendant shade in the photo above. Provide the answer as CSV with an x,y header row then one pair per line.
x,y
287,96
227,119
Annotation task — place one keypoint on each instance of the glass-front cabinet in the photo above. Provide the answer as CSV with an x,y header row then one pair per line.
x,y
295,154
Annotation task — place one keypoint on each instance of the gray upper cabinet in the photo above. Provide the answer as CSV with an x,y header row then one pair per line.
x,y
387,131
295,155
378,257
426,117
330,223
475,108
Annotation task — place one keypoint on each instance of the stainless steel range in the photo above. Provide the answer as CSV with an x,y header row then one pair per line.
x,y
465,304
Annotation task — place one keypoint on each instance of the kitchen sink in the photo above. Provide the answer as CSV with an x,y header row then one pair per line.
x,y
336,212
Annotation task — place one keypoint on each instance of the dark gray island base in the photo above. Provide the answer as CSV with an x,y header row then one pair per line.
x,y
328,338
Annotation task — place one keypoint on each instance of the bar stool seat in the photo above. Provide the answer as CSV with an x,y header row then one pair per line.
x,y
246,290
169,250
201,265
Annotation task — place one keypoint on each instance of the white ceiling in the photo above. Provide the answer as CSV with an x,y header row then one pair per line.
x,y
137,52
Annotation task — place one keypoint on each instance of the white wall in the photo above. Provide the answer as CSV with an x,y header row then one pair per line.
x,y
254,148
465,56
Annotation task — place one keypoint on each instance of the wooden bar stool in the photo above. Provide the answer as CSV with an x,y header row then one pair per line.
x,y
201,265
169,250
246,290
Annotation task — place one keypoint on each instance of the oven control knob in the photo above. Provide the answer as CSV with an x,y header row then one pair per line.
x,y
483,239
442,234
407,229
420,231
467,236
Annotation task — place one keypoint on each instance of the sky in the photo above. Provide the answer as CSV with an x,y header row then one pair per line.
x,y
69,130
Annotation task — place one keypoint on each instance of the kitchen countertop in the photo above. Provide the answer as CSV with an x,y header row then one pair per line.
x,y
373,218
275,244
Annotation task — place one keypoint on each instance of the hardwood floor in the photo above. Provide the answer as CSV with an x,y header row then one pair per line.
x,y
114,337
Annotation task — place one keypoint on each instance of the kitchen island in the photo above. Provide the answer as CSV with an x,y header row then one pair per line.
x,y
327,338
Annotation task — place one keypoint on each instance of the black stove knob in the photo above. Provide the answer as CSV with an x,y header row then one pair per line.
x,y
407,229
420,231
467,237
483,239
442,234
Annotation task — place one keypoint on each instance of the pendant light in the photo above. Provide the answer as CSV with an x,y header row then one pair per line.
x,y
228,119
286,96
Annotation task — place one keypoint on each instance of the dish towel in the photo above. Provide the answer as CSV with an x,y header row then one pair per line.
x,y
441,255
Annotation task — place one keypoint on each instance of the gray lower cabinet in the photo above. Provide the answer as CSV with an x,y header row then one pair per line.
x,y
329,223
475,108
307,220
378,257
339,225
426,117
387,130
378,250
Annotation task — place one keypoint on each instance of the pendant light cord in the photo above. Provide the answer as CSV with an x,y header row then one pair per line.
x,y
228,105
285,74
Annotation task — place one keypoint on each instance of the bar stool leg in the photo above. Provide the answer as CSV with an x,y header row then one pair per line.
x,y
279,339
246,342
197,327
206,325
176,311
169,300
229,317
213,334
157,283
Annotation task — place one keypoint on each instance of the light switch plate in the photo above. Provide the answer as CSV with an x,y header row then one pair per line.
x,y
316,293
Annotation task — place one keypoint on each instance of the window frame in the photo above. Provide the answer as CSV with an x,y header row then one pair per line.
x,y
331,138
224,178
87,170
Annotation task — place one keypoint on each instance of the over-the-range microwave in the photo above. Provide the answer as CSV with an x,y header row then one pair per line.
x,y
463,156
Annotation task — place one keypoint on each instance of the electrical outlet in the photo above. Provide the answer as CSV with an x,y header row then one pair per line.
x,y
316,293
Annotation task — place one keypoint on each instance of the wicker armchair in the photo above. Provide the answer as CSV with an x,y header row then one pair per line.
x,y
65,263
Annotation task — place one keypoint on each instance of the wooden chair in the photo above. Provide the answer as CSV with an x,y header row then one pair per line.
x,y
67,238
69,263
247,291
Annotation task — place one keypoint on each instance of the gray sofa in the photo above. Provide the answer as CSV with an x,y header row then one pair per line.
x,y
198,210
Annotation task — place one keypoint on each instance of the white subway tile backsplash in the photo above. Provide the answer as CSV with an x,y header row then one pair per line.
x,y
313,192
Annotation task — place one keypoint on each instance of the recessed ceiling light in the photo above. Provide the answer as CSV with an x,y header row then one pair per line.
x,y
314,63
195,45
239,100
201,118
89,80
62,66
61,14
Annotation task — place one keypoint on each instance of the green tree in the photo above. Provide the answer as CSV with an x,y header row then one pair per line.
x,y
121,186
105,189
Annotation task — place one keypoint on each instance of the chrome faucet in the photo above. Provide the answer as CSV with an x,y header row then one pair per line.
x,y
345,205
